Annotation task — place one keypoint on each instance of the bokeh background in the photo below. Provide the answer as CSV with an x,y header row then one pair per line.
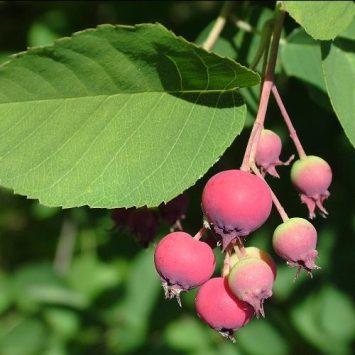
x,y
70,284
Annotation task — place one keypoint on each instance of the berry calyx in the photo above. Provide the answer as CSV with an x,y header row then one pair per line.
x,y
267,155
251,280
235,203
220,309
255,253
295,241
183,263
312,176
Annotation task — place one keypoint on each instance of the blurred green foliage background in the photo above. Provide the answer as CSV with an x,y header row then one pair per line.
x,y
71,285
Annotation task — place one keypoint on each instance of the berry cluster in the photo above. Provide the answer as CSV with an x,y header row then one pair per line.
x,y
235,203
143,222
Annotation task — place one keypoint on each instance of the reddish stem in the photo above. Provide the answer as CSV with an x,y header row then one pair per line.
x,y
265,95
258,125
287,119
200,233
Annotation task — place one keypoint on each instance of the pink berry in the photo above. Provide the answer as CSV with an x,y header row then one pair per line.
x,y
183,263
295,241
235,203
255,253
312,176
267,155
251,280
220,309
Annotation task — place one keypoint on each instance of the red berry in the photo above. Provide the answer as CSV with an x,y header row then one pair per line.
x,y
312,176
220,309
183,263
295,241
267,155
235,203
251,280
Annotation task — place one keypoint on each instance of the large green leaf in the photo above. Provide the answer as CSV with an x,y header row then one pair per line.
x,y
301,57
116,116
322,19
326,319
339,70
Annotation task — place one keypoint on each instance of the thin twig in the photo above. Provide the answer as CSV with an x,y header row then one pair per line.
x,y
218,26
287,119
200,233
265,94
263,44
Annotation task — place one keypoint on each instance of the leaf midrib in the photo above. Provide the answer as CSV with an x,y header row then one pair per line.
x,y
200,92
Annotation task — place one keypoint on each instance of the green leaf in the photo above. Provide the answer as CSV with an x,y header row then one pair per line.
x,y
5,292
321,19
63,322
187,334
338,63
38,283
116,116
28,337
90,277
40,34
301,57
242,46
259,337
327,320
131,314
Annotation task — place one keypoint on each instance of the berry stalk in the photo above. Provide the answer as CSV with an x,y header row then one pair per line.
x,y
200,233
287,119
265,94
275,200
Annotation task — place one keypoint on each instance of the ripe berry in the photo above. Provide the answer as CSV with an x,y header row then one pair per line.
x,y
220,309
255,253
295,241
183,263
312,176
267,155
251,280
235,203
